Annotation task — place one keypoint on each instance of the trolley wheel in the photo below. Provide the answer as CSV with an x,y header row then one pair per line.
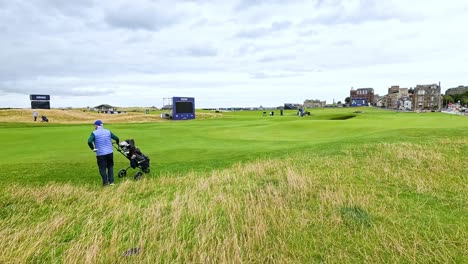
x,y
138,176
122,173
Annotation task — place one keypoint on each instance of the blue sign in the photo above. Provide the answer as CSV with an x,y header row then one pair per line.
x,y
183,108
39,97
359,102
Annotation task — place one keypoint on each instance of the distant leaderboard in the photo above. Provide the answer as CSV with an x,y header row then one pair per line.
x,y
40,101
183,108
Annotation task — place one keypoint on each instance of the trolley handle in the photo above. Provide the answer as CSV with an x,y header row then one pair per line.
x,y
116,146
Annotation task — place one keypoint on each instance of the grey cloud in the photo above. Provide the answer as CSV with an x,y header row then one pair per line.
x,y
54,62
70,8
40,15
147,17
42,19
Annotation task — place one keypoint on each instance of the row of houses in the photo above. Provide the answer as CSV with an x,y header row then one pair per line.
x,y
419,98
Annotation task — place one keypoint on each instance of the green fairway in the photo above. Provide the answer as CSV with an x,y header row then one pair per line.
x,y
357,185
59,153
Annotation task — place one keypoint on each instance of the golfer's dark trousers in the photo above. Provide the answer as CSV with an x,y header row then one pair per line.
x,y
106,164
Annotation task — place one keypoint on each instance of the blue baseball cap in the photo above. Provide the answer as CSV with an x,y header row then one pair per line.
x,y
98,123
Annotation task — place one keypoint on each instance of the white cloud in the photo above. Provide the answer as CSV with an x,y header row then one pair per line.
x,y
225,53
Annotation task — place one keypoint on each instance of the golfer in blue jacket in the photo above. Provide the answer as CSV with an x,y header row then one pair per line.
x,y
102,139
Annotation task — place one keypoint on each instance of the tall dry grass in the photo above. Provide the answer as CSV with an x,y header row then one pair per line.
x,y
77,116
379,203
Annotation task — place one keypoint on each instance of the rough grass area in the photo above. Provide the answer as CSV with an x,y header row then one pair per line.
x,y
379,202
76,116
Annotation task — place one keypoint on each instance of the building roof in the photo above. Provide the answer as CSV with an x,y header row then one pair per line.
x,y
104,106
423,86
360,89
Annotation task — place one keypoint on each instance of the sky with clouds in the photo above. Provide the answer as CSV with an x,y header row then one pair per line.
x,y
225,53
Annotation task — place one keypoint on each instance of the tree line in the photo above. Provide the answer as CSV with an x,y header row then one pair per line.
x,y
462,98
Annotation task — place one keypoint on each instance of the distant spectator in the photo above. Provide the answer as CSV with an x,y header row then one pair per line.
x,y
35,115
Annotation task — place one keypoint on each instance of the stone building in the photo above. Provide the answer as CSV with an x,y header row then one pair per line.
x,y
362,96
405,103
427,97
457,90
380,101
395,93
314,103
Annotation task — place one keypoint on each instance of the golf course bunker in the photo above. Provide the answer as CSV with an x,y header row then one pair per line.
x,y
334,116
343,117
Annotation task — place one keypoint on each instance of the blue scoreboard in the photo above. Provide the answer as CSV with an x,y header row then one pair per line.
x,y
183,108
40,101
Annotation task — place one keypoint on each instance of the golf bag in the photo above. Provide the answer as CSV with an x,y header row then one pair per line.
x,y
137,159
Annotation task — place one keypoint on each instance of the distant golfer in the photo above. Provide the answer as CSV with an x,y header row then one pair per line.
x,y
102,139
35,114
